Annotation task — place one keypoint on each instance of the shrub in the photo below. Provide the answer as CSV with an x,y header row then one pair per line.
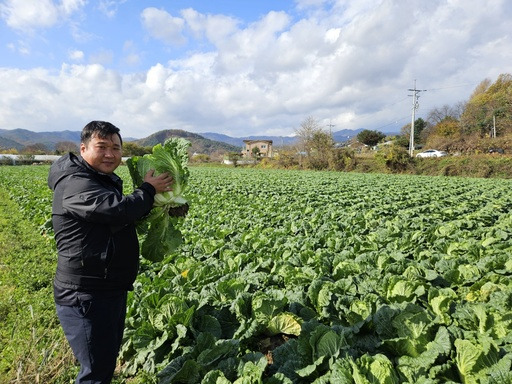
x,y
287,159
316,162
200,158
342,159
394,158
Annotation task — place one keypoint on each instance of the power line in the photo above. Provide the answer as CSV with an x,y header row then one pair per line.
x,y
415,103
450,87
395,122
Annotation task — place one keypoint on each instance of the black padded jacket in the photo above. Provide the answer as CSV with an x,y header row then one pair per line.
x,y
94,226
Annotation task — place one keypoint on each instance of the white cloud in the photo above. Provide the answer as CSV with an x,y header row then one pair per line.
x,y
215,28
350,63
29,14
163,26
20,47
103,57
247,49
131,59
109,7
76,55
68,7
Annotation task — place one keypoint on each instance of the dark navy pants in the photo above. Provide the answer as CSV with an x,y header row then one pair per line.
x,y
94,330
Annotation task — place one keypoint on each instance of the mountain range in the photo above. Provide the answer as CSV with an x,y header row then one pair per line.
x,y
207,143
20,138
278,141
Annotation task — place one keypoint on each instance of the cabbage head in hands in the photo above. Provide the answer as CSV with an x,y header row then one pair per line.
x,y
159,230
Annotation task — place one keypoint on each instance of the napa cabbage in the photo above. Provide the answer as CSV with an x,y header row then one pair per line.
x,y
159,230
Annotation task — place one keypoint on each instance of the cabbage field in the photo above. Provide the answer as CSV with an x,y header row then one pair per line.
x,y
322,277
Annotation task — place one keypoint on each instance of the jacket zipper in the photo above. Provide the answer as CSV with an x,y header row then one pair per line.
x,y
110,242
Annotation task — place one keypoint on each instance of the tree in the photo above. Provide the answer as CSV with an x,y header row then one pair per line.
x,y
132,149
305,134
420,126
200,158
488,104
10,151
436,115
446,135
234,157
402,141
315,143
448,127
481,88
370,138
35,149
63,147
394,158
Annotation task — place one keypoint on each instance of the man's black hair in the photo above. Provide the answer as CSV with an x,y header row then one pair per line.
x,y
101,129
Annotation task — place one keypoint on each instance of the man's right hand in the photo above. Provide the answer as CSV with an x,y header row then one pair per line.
x,y
161,183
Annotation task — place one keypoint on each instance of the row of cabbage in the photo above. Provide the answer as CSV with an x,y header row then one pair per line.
x,y
302,277
311,277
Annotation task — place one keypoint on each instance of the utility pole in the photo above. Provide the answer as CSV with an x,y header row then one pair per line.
x,y
415,105
330,125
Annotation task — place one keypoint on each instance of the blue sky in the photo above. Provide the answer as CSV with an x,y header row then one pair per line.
x,y
243,67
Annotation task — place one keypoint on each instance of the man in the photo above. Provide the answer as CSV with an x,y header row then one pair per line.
x,y
98,250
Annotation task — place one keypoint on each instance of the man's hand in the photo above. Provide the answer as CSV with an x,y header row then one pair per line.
x,y
161,183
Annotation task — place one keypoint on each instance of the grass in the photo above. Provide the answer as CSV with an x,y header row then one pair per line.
x,y
486,166
33,348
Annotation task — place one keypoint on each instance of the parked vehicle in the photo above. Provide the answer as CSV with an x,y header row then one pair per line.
x,y
432,153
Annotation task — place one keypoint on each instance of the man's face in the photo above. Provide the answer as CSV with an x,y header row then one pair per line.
x,y
104,155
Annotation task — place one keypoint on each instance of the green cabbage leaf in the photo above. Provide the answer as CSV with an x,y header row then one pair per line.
x,y
159,231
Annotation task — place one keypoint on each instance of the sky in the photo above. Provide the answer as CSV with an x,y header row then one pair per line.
x,y
242,68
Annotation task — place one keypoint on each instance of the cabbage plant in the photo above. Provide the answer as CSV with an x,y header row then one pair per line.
x,y
159,230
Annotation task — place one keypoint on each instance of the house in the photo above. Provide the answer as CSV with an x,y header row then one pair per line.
x,y
259,148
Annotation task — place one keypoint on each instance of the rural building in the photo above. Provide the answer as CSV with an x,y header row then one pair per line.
x,y
264,148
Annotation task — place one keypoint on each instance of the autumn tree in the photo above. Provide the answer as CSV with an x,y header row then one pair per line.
x,y
35,149
315,143
446,135
305,134
448,127
438,114
10,151
489,104
63,147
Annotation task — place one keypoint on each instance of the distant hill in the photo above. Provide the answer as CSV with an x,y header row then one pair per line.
x,y
345,134
208,143
278,141
199,144
19,138
9,144
239,141
24,137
